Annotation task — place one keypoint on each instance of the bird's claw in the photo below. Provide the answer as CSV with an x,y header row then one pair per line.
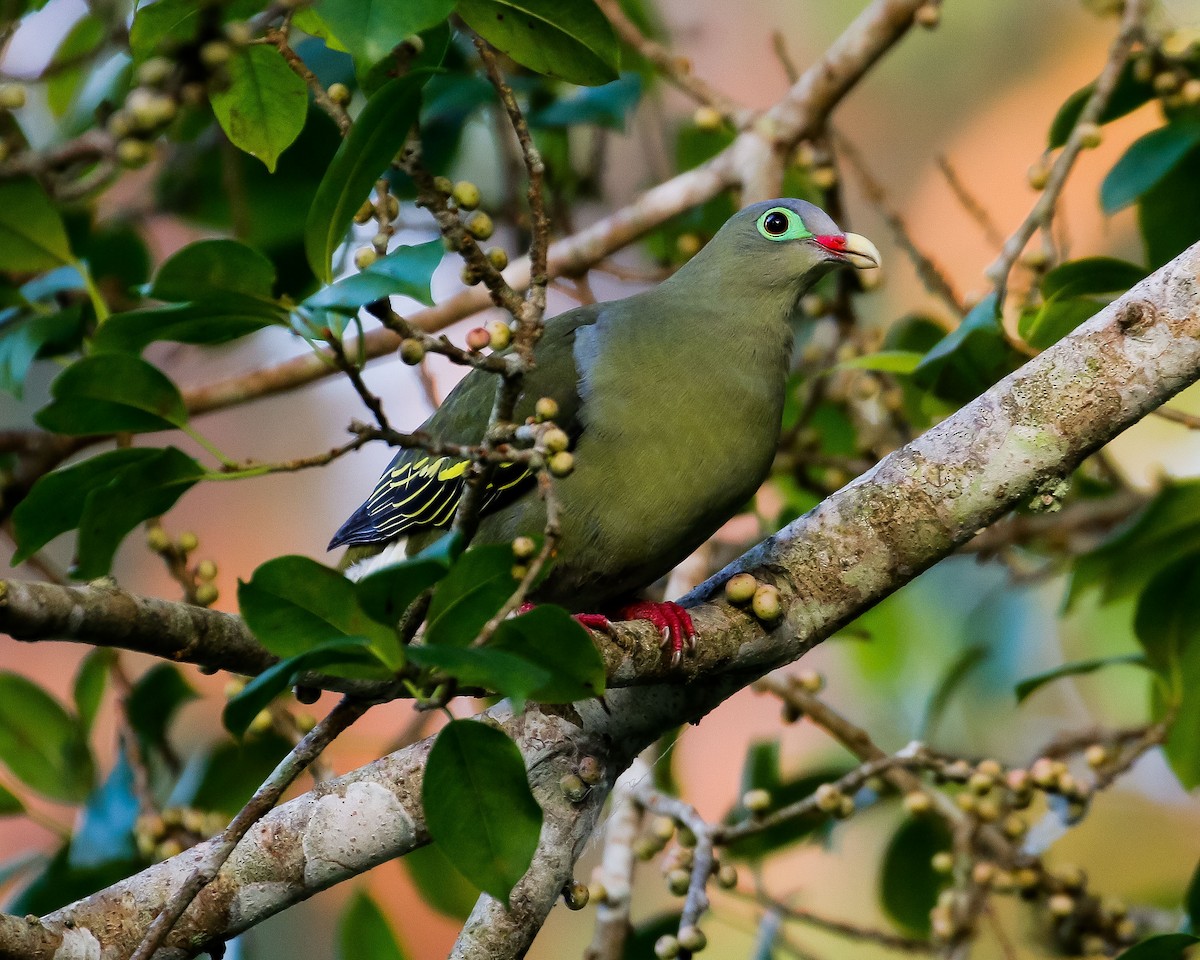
x,y
674,623
594,621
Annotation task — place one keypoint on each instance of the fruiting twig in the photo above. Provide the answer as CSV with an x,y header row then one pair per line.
x,y
617,862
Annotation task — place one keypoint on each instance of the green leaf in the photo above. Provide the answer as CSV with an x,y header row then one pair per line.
x,y
370,29
42,744
440,885
66,67
1128,94
112,393
503,673
148,488
203,268
365,934
959,669
293,604
470,594
212,320
908,884
885,361
10,804
378,133
1167,624
90,683
1165,946
406,271
347,654
550,638
1054,319
263,108
1191,902
478,805
568,39
1091,276
1166,530
1147,161
604,106
312,23
165,23
386,593
25,340
1169,214
224,779
970,358
32,235
154,700
1078,668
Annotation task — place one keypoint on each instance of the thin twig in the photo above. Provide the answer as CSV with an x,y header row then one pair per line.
x,y
974,208
617,863
1189,420
277,38
843,927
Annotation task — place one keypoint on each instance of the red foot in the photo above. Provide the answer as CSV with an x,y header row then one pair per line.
x,y
673,622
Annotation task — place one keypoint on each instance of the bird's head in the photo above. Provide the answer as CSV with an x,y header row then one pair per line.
x,y
783,245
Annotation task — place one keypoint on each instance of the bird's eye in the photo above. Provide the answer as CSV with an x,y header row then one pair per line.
x,y
780,223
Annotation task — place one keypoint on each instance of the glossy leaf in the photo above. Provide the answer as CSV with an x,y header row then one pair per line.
x,y
470,595
364,932
225,778
91,680
263,108
908,884
1147,161
1091,276
42,744
1164,946
376,137
568,39
406,272
386,593
478,805
502,673
347,654
970,358
293,604
1169,213
32,235
1128,94
26,339
112,393
370,29
1076,669
550,638
440,885
215,319
105,831
604,106
163,23
157,696
1057,317
206,267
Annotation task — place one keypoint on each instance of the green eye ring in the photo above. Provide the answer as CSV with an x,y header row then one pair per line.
x,y
780,223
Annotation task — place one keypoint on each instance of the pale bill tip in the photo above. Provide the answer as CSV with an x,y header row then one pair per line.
x,y
861,252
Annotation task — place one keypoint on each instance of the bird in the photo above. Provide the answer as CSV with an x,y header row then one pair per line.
x,y
672,402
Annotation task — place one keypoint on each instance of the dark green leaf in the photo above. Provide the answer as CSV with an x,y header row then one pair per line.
x,y
90,682
908,884
376,137
503,673
228,776
1169,214
470,595
568,39
154,701
1147,161
365,934
1191,901
478,805
42,744
386,593
105,831
406,271
550,638
145,489
605,106
959,669
969,359
1128,94
347,654
440,885
32,236
1045,326
263,108
370,29
23,341
293,604
10,804
215,319
206,267
1164,946
112,393
1079,667
1166,530
163,23
1091,276
59,883
1167,624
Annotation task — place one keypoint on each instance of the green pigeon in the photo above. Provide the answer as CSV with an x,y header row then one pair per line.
x,y
672,399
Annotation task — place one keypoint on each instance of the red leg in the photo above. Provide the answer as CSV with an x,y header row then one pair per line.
x,y
592,621
673,622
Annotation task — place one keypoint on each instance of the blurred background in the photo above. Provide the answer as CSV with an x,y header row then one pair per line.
x,y
979,91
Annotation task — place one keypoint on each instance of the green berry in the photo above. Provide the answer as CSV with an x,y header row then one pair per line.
x,y
339,93
545,409
470,276
206,570
740,588
942,861
364,257
12,96
215,53
707,118
663,828
206,594
188,541
561,463
155,71
392,207
412,351
666,947
757,801
917,801
524,548
132,153
1038,176
766,603
443,185
556,440
576,895
239,32
364,213
480,226
501,334
1089,135
573,788
678,881
727,876
693,939
157,540
497,257
810,681
828,797
688,245
465,194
